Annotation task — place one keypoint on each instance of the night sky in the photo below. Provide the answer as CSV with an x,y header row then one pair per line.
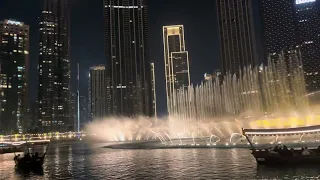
x,y
87,33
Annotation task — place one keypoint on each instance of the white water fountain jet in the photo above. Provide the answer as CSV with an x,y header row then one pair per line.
x,y
222,135
234,135
253,138
179,138
301,137
218,139
257,97
277,88
169,138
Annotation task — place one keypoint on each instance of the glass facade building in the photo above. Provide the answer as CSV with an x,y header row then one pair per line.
x,y
308,37
129,91
237,37
292,24
54,67
278,23
14,65
97,92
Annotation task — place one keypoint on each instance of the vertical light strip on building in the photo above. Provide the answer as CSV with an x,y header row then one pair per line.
x,y
153,80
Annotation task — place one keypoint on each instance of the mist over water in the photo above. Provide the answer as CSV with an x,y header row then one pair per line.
x,y
272,96
125,129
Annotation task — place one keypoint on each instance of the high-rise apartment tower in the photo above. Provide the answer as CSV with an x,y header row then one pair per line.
x,y
54,67
129,90
237,37
97,92
14,65
292,24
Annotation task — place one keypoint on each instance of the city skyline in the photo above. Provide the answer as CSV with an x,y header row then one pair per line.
x,y
159,89
203,48
91,52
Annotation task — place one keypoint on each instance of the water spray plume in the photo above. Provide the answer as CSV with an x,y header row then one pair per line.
x,y
272,96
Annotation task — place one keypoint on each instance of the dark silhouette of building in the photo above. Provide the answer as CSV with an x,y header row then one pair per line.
x,y
14,65
84,120
74,110
54,67
126,51
237,37
97,92
293,24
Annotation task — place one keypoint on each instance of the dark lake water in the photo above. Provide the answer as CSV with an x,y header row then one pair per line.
x,y
90,161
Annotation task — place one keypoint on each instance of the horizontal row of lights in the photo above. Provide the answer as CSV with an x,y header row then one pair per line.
x,y
304,1
125,7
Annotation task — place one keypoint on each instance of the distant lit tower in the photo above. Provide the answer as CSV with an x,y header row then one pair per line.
x,y
97,92
237,37
14,65
154,92
176,60
54,67
308,37
127,54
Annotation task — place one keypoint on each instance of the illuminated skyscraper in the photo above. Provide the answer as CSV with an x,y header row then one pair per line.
x,y
278,24
97,92
237,39
176,60
308,37
126,50
290,24
14,65
54,67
